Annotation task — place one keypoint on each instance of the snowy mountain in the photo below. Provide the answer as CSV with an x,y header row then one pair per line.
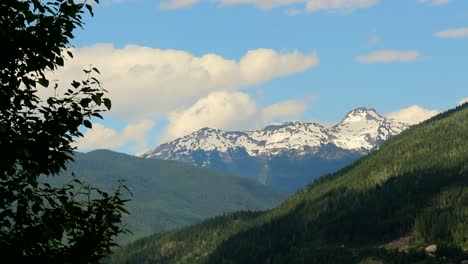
x,y
361,130
305,147
364,129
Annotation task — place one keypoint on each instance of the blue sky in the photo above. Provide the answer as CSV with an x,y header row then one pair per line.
x,y
175,66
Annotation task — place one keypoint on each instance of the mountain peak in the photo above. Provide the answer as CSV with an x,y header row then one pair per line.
x,y
365,128
361,114
207,131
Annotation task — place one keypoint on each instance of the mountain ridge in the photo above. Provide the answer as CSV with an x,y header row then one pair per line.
x,y
321,135
307,145
367,125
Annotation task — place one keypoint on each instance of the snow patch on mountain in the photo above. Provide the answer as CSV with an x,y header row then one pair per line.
x,y
362,129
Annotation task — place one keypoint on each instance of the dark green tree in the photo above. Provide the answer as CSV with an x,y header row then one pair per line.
x,y
74,223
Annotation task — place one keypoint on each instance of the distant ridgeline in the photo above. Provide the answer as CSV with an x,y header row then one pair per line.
x,y
169,194
404,203
286,156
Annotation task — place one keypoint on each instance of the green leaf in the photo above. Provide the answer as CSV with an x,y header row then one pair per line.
x,y
122,209
90,9
96,99
107,103
70,54
78,181
75,84
87,124
96,70
85,102
44,82
97,115
59,61
96,80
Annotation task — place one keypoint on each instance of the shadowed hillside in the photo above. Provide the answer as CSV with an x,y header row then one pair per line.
x,y
169,194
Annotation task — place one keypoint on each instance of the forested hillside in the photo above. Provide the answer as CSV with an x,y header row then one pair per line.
x,y
169,194
415,186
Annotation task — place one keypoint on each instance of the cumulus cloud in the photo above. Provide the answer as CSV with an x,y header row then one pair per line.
x,y
175,4
453,33
310,5
433,2
387,56
227,111
285,109
464,100
144,82
101,137
221,110
413,114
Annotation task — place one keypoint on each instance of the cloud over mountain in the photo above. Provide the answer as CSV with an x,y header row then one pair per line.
x,y
101,137
145,82
228,111
413,114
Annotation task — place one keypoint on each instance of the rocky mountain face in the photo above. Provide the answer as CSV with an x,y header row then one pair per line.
x,y
285,156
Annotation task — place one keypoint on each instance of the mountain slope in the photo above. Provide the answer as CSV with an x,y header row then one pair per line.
x,y
168,194
309,147
415,185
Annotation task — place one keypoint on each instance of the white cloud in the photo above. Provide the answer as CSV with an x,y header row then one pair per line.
x,y
265,64
453,33
433,2
310,5
138,133
413,114
285,109
228,111
221,110
338,5
464,100
145,82
175,4
387,56
101,137
293,11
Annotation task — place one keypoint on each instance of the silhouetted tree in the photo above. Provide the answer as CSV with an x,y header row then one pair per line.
x,y
73,223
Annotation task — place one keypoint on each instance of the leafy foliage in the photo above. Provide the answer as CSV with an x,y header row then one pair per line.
x,y
70,223
416,185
